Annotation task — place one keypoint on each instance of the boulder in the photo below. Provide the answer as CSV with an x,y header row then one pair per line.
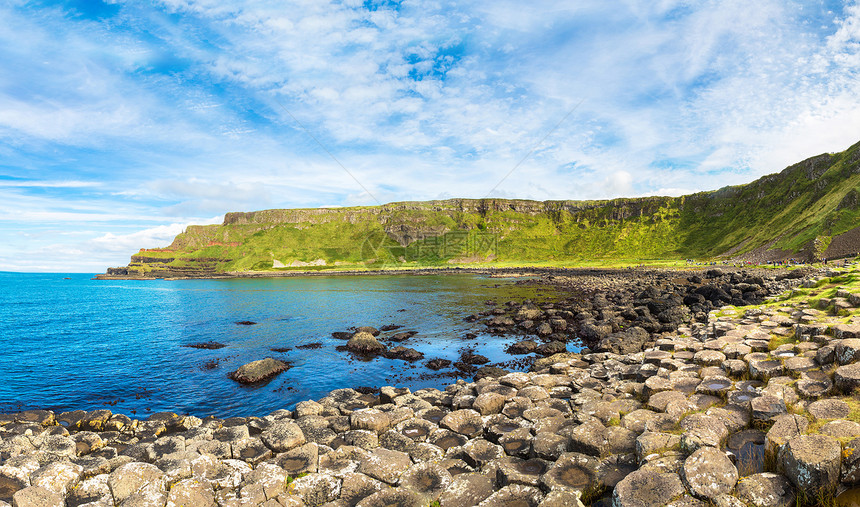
x,y
258,371
629,341
364,343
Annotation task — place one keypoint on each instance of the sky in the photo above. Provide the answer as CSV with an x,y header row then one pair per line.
x,y
121,122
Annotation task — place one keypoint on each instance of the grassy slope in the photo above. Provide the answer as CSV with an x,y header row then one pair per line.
x,y
816,198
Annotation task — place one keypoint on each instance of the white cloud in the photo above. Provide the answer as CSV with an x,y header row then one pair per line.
x,y
153,237
175,108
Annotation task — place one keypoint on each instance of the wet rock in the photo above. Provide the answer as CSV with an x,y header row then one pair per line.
x,y
258,371
812,463
211,345
403,353
438,364
551,348
709,473
364,343
368,329
647,488
522,347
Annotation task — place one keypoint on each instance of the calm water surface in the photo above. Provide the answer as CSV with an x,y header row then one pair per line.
x,y
83,344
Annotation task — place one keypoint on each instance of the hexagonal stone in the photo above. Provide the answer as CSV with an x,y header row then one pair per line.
x,y
429,480
840,429
316,489
37,496
709,473
384,464
479,452
356,486
467,489
191,492
784,428
812,463
850,472
489,403
814,386
649,443
829,409
847,378
369,419
517,442
647,488
300,460
764,369
709,358
465,422
129,478
282,436
514,494
658,401
573,471
767,490
800,364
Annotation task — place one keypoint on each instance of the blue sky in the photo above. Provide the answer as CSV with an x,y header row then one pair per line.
x,y
122,122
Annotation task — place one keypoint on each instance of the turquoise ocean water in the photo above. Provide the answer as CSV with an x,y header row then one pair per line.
x,y
79,343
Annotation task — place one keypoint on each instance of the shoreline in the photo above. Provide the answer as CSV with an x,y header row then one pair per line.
x,y
513,271
670,422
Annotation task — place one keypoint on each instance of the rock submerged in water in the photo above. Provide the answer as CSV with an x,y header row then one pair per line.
x,y
205,345
438,364
258,371
364,343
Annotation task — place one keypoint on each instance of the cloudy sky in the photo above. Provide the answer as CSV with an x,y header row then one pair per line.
x,y
123,121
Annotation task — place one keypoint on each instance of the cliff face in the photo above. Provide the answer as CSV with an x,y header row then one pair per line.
x,y
810,209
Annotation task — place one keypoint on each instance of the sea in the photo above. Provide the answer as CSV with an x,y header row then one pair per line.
x,y
68,342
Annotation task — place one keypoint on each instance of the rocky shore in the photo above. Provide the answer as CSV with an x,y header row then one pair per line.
x,y
719,405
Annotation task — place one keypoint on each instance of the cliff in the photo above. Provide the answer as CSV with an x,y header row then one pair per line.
x,y
809,210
